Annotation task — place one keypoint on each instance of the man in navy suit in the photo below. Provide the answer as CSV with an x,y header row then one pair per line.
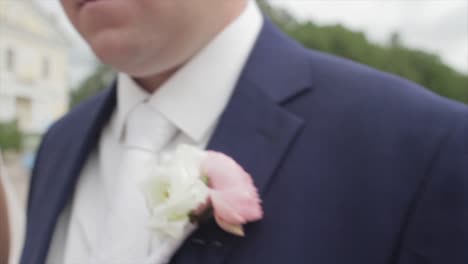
x,y
353,165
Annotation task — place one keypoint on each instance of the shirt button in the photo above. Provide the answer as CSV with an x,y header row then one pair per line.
x,y
198,241
217,243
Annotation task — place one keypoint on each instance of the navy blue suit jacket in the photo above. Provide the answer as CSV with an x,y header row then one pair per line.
x,y
353,165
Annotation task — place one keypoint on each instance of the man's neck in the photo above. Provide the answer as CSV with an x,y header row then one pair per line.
x,y
153,82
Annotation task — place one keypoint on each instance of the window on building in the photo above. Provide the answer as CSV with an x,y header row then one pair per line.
x,y
45,68
10,60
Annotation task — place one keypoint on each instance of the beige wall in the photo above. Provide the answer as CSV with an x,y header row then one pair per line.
x,y
34,42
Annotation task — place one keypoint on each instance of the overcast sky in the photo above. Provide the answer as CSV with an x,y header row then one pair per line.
x,y
439,26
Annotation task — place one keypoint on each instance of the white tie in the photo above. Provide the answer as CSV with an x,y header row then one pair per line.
x,y
126,237
147,129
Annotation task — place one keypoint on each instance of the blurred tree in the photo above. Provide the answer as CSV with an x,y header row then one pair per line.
x,y
422,67
99,80
10,136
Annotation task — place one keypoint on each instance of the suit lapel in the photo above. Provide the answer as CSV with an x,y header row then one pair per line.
x,y
255,130
59,174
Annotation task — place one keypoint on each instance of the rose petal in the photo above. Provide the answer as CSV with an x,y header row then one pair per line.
x,y
223,172
233,195
225,209
236,209
237,230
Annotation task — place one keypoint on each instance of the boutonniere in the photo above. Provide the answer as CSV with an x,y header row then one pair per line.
x,y
190,182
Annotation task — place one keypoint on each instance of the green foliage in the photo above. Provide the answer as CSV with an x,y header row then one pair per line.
x,y
93,84
421,67
10,136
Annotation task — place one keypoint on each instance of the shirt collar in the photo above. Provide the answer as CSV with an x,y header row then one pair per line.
x,y
194,98
129,95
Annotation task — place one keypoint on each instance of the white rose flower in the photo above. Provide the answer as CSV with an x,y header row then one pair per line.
x,y
174,190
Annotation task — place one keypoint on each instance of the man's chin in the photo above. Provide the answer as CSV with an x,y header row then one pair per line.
x,y
111,49
126,64
125,56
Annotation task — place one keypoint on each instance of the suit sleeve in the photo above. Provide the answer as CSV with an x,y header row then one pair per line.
x,y
437,227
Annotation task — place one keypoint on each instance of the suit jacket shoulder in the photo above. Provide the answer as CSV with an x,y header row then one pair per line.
x,y
390,143
361,101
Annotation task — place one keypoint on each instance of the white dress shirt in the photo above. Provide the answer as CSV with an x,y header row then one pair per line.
x,y
193,100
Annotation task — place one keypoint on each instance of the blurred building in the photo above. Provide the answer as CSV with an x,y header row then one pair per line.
x,y
34,87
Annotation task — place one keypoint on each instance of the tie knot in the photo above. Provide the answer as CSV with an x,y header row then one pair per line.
x,y
147,129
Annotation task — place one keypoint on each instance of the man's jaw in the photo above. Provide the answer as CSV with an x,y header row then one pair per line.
x,y
82,3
